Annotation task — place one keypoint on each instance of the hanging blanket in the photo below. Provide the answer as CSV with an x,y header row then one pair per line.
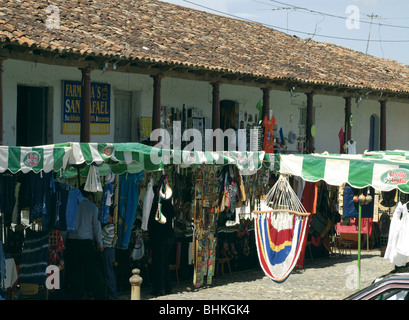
x,y
279,239
34,258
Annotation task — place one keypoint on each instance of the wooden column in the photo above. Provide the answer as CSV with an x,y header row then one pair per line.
x,y
347,117
310,122
1,99
266,102
383,125
85,132
157,83
216,106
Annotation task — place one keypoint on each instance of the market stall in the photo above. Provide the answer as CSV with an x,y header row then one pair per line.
x,y
380,170
198,179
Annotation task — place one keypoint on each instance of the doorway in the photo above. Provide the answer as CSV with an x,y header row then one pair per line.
x,y
123,116
228,119
31,116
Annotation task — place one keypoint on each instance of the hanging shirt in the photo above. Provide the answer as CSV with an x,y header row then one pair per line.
x,y
268,142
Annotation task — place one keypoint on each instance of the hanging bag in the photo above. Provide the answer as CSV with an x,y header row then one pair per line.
x,y
159,215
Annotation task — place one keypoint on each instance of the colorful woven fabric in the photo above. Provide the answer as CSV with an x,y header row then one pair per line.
x,y
279,239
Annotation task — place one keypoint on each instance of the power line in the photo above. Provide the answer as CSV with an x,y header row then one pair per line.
x,y
296,31
336,16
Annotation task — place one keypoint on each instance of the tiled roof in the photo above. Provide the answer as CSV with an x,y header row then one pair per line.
x,y
157,31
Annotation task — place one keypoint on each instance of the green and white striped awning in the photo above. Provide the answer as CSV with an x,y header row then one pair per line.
x,y
41,158
134,157
123,157
383,170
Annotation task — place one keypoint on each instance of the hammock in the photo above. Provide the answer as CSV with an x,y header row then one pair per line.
x,y
280,231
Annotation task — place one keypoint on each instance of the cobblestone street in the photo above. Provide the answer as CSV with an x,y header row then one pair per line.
x,y
330,278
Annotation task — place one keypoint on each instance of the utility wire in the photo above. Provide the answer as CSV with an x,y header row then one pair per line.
x,y
336,16
296,31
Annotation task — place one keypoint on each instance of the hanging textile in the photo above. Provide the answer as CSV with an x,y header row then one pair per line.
x,y
37,194
34,258
107,198
351,209
280,232
341,137
268,142
127,206
397,249
147,205
59,201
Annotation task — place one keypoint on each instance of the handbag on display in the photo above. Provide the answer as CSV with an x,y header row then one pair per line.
x,y
159,215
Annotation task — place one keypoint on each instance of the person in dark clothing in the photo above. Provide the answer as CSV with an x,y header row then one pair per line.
x,y
161,238
83,256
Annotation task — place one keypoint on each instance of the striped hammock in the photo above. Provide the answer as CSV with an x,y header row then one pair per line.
x,y
281,231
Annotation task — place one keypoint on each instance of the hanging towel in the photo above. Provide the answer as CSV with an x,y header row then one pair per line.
x,y
147,205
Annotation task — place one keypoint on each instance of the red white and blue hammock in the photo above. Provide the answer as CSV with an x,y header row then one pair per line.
x,y
280,231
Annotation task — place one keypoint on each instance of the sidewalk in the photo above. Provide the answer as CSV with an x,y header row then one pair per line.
x,y
331,278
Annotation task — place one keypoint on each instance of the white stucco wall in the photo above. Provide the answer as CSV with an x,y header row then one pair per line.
x,y
329,110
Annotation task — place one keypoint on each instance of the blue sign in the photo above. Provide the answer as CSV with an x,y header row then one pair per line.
x,y
100,107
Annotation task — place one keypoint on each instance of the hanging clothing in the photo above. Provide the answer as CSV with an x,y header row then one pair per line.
x,y
402,245
395,229
128,204
351,147
40,187
351,209
341,137
59,202
34,258
147,205
268,142
310,196
16,216
107,198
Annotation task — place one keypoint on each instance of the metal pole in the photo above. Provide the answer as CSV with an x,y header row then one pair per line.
x,y
359,246
136,282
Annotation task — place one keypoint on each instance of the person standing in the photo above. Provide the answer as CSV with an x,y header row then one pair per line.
x,y
108,257
161,237
83,255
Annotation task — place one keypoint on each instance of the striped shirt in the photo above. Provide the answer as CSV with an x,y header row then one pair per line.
x,y
108,233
